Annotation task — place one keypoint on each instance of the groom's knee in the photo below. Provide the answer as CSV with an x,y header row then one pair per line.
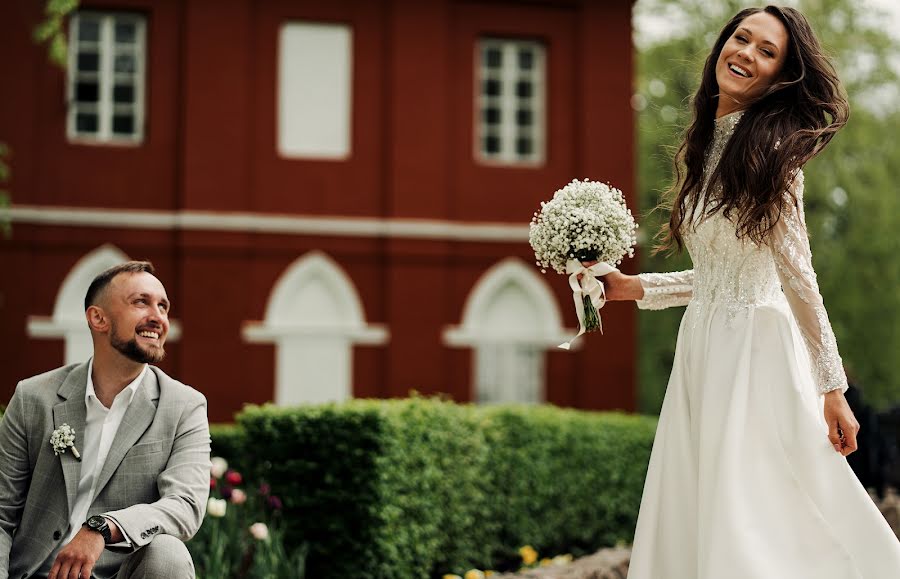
x,y
165,557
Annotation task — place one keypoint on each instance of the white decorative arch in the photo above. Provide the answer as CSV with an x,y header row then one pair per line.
x,y
509,303
68,321
510,319
314,316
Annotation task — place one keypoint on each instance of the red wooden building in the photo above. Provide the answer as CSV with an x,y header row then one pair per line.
x,y
335,194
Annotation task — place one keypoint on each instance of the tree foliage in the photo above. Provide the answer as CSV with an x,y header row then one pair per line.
x,y
852,208
52,30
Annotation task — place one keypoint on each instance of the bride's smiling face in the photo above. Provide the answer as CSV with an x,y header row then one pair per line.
x,y
751,60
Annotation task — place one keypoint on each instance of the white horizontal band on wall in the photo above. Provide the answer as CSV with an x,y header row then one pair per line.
x,y
190,220
47,328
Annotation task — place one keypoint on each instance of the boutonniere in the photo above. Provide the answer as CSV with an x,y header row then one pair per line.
x,y
63,438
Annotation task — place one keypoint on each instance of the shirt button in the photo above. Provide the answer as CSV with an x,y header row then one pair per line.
x,y
56,535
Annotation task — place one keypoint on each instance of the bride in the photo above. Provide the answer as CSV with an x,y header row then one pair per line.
x,y
748,477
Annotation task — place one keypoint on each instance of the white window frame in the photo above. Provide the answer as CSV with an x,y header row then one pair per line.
x,y
508,102
107,48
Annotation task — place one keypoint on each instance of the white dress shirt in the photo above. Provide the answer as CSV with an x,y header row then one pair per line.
x,y
100,428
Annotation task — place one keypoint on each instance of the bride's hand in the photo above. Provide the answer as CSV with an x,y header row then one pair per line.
x,y
838,416
619,286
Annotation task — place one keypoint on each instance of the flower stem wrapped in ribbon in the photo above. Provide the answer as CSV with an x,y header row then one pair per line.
x,y
589,295
585,222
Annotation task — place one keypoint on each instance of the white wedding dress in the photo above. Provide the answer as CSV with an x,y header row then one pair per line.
x,y
743,482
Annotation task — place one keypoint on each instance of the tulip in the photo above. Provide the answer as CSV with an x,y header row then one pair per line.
x,y
219,466
216,507
238,497
234,477
259,531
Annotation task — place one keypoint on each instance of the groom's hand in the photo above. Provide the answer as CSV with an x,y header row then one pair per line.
x,y
77,559
842,424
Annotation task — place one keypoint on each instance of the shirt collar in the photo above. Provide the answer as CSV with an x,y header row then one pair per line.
x,y
128,390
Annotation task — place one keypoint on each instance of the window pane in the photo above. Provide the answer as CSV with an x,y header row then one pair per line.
x,y
87,92
123,124
492,116
88,61
493,58
523,89
125,32
86,123
523,117
125,63
123,93
510,118
492,144
88,29
523,146
526,59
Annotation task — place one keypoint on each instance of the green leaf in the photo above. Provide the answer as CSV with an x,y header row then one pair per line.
x,y
58,51
61,7
47,29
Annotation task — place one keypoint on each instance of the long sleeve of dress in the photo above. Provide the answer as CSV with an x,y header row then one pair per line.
x,y
666,290
790,247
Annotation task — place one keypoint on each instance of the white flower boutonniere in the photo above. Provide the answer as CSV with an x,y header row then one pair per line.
x,y
63,438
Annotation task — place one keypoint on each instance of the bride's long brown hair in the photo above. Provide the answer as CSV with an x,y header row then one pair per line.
x,y
779,132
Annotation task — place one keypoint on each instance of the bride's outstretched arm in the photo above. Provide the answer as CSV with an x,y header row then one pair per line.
x,y
666,290
651,291
789,243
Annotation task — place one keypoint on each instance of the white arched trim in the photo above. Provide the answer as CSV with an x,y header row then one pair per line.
x,y
545,320
314,317
68,321
281,320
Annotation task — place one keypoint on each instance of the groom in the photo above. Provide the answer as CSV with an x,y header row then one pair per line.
x,y
119,499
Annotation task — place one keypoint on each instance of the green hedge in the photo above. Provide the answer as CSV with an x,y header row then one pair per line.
x,y
228,442
406,489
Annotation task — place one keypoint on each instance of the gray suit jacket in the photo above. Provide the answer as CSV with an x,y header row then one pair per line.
x,y
155,479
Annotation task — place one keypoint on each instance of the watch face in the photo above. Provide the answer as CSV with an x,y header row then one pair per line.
x,y
96,522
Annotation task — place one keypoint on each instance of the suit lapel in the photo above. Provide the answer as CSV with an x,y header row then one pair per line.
x,y
72,411
137,419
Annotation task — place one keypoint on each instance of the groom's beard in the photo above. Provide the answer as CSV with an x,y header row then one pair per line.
x,y
133,351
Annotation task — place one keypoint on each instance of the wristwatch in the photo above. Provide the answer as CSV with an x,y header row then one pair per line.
x,y
99,524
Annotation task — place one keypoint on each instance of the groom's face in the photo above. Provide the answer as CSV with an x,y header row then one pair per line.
x,y
138,310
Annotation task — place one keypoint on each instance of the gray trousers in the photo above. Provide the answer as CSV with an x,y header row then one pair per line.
x,y
165,557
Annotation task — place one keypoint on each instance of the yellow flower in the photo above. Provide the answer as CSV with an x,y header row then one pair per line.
x,y
474,574
562,559
451,577
488,573
529,555
546,562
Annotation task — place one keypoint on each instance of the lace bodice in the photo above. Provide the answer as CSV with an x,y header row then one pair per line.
x,y
739,274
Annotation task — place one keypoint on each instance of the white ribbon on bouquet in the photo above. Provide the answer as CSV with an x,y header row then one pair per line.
x,y
589,285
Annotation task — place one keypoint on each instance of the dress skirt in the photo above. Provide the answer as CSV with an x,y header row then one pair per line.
x,y
743,482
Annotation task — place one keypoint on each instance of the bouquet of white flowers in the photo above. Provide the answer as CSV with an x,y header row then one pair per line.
x,y
585,221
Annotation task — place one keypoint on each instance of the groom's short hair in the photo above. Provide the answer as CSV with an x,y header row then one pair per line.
x,y
103,280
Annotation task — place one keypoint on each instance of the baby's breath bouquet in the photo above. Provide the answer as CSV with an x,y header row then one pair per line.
x,y
586,221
